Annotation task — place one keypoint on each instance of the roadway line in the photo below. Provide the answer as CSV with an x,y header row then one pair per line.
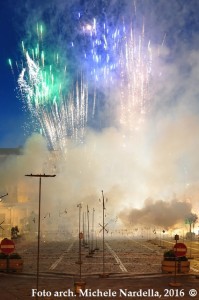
x,y
118,260
54,265
142,245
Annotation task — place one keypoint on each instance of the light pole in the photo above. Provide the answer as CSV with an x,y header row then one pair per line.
x,y
39,219
90,254
175,283
80,237
103,231
80,285
83,229
103,228
88,230
92,249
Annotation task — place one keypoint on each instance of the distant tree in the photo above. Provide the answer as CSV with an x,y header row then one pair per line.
x,y
191,219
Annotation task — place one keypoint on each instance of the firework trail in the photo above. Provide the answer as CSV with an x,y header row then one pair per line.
x,y
102,53
44,85
114,59
135,62
99,58
121,57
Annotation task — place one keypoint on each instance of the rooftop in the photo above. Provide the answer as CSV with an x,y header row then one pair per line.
x,y
10,151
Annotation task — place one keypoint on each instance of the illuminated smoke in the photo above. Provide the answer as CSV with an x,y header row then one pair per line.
x,y
160,213
160,158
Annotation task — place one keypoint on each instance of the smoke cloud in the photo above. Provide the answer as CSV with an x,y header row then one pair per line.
x,y
157,161
117,165
157,213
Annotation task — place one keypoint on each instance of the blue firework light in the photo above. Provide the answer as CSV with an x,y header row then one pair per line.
x,y
116,53
106,55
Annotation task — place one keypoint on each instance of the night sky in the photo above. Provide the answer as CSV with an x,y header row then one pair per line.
x,y
176,23
11,115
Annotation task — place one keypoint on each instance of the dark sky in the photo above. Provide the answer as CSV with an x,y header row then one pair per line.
x,y
177,20
12,133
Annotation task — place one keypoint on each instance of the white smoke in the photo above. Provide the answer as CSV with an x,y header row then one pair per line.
x,y
157,161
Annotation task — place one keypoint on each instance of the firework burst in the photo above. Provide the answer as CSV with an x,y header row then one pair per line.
x,y
121,62
114,59
60,110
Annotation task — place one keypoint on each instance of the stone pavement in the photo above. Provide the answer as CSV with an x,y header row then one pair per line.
x,y
116,286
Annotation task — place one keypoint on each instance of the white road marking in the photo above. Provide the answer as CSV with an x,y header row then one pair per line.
x,y
142,245
122,267
54,265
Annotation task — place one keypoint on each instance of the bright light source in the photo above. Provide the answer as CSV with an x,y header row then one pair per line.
x,y
89,27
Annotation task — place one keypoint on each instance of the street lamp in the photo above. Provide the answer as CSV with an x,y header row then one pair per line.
x,y
90,254
175,283
103,229
92,249
39,219
80,284
80,237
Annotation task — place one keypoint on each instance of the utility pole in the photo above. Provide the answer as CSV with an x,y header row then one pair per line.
x,y
88,230
92,237
83,230
80,237
103,205
89,244
80,284
39,220
103,228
